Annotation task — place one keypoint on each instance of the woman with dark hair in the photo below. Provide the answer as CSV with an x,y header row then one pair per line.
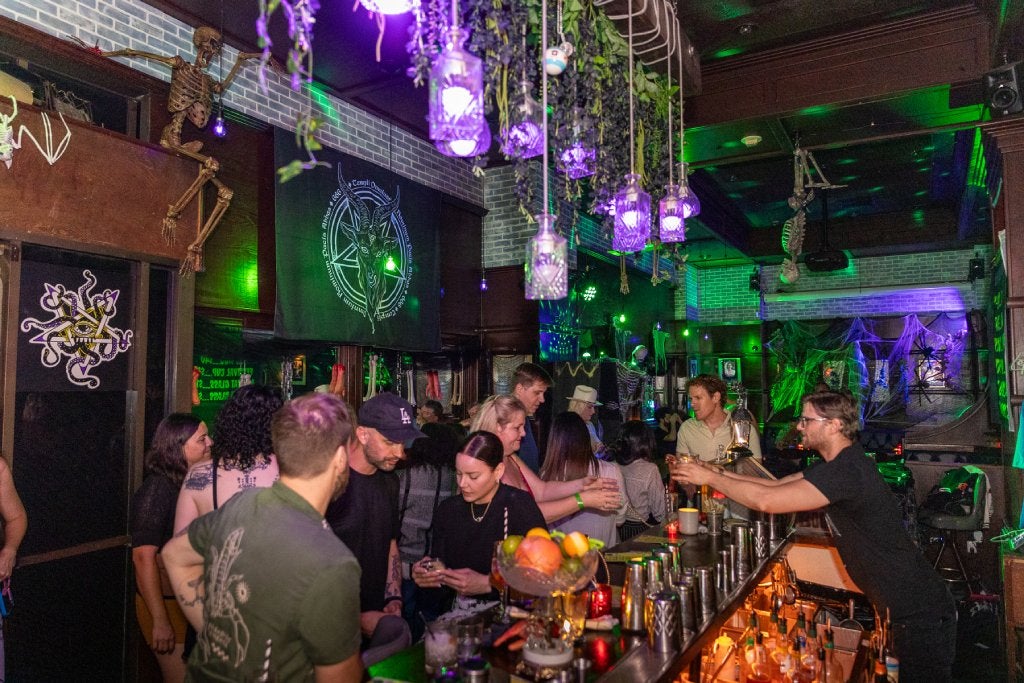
x,y
645,492
570,457
427,480
467,526
179,442
243,455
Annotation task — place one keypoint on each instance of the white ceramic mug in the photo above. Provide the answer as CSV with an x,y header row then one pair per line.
x,y
689,521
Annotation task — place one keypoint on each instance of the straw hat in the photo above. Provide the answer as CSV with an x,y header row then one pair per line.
x,y
585,394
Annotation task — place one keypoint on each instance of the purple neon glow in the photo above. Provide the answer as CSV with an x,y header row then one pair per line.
x,y
387,6
219,129
578,161
456,101
632,216
671,225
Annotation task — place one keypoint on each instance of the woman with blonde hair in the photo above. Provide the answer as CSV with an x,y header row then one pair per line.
x,y
505,417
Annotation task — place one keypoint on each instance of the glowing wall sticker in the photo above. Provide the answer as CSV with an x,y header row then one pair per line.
x,y
367,249
79,331
8,143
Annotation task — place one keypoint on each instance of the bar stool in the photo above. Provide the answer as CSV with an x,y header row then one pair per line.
x,y
949,524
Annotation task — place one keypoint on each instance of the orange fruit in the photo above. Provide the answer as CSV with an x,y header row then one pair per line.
x,y
575,544
541,554
539,532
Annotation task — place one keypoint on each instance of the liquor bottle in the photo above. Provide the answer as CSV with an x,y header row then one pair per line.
x,y
799,635
781,661
833,667
821,675
755,661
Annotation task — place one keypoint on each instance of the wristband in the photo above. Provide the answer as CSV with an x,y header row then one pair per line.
x,y
579,501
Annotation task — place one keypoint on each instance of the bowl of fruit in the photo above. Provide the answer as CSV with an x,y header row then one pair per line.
x,y
542,563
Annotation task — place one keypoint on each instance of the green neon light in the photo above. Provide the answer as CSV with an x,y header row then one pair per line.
x,y
390,264
728,52
320,98
686,332
622,317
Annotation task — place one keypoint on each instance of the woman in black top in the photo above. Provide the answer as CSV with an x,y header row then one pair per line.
x,y
467,526
179,442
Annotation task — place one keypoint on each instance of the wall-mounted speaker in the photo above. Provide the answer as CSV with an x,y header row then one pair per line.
x,y
1003,90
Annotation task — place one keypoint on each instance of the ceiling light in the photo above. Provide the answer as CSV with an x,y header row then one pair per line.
x,y
751,140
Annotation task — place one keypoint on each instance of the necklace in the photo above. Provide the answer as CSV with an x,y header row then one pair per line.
x,y
481,517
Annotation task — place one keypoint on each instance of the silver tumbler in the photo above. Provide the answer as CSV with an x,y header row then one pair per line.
x,y
664,628
687,608
655,575
665,555
634,589
741,540
760,540
704,588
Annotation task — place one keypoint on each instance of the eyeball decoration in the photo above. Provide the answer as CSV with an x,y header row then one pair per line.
x,y
557,58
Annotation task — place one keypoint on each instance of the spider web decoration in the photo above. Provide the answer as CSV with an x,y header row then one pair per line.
x,y
503,366
630,385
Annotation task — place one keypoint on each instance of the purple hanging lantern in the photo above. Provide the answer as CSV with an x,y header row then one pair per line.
x,y
689,199
525,139
466,147
579,159
456,95
671,225
547,264
632,216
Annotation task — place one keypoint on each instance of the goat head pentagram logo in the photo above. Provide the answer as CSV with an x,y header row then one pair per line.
x,y
367,250
80,329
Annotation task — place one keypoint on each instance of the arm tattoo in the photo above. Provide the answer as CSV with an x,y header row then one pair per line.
x,y
395,578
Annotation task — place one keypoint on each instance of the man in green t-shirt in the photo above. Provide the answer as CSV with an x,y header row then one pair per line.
x,y
272,592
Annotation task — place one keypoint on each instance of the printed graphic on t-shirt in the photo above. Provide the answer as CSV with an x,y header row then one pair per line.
x,y
225,636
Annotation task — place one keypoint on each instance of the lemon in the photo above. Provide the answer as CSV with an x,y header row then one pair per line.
x,y
575,544
538,531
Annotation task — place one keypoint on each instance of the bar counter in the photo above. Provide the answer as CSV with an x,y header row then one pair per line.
x,y
619,655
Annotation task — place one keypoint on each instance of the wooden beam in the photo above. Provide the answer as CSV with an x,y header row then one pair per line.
x,y
946,46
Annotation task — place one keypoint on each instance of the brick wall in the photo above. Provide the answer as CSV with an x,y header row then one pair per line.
x,y
724,295
117,24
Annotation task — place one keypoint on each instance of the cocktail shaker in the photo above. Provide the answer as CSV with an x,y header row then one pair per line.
x,y
704,589
634,590
687,608
664,630
760,539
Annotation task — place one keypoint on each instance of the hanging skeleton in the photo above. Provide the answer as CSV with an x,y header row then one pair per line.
x,y
191,97
803,194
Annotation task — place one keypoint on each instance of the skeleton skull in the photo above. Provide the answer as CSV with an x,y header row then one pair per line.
x,y
208,44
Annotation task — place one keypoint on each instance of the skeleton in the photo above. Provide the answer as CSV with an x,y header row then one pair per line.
x,y
370,237
191,97
803,194
8,143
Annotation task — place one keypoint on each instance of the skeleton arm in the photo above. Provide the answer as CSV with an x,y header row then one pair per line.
x,y
127,52
243,57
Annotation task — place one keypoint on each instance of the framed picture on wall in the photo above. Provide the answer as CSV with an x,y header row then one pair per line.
x,y
729,370
694,367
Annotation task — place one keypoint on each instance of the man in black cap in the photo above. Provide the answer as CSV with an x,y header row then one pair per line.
x,y
366,519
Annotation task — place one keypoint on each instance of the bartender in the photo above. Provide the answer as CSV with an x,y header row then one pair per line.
x,y
865,521
708,433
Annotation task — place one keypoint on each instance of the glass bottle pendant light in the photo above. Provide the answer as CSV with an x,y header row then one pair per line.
x,y
467,147
525,139
547,262
456,101
632,216
689,199
578,159
672,227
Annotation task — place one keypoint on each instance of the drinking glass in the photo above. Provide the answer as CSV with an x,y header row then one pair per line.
x,y
498,583
440,646
470,636
574,608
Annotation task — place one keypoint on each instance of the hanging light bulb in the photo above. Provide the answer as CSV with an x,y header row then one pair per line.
x,y
456,100
670,216
579,159
387,6
671,227
547,262
547,253
632,204
219,127
632,216
470,146
689,199
525,139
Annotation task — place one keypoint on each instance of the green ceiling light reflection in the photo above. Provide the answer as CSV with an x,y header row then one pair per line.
x,y
918,216
324,103
849,178
846,161
876,189
921,193
976,170
586,354
251,281
590,292
817,110
727,52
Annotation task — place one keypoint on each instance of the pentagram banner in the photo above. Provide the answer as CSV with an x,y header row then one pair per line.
x,y
357,255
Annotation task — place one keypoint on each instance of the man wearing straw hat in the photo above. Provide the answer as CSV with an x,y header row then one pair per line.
x,y
584,403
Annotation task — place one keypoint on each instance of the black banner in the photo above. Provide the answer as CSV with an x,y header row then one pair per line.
x,y
357,255
74,327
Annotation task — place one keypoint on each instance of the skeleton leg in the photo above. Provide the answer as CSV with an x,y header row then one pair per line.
x,y
206,173
194,259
